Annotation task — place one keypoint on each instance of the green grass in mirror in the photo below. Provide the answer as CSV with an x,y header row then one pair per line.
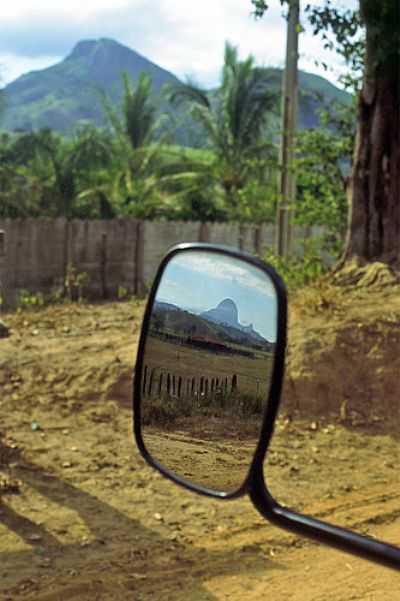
x,y
202,409
182,381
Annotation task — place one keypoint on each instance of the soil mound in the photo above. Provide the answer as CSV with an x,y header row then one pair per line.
x,y
372,275
343,347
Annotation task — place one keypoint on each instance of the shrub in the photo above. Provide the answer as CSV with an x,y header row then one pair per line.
x,y
298,271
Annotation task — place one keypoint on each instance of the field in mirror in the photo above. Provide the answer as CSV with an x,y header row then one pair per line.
x,y
207,367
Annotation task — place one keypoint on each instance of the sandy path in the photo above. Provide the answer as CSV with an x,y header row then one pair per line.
x,y
83,518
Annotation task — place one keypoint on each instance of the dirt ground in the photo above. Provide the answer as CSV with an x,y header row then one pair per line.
x,y
83,518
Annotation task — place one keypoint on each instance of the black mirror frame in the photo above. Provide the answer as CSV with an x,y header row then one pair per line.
x,y
276,377
254,484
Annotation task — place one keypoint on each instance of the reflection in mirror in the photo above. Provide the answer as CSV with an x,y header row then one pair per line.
x,y
207,367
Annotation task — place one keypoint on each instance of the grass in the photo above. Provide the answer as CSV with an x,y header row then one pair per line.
x,y
180,381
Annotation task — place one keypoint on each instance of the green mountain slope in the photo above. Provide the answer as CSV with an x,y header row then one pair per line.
x,y
65,94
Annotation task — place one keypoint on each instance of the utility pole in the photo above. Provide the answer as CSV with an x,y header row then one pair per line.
x,y
287,179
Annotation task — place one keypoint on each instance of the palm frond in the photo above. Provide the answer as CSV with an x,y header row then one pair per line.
x,y
138,110
188,92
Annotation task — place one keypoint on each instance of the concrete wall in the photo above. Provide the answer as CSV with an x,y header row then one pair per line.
x,y
107,251
119,253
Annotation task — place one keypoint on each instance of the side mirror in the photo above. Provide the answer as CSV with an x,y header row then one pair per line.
x,y
208,381
211,349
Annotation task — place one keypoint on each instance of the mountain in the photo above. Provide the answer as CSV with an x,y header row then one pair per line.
x,y
67,93
217,327
226,314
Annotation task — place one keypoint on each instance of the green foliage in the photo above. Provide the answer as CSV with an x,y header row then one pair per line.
x,y
257,200
68,95
133,184
166,410
135,118
30,300
75,283
130,170
260,6
300,270
367,38
381,20
41,172
340,29
322,167
122,293
162,412
2,103
139,112
71,290
235,123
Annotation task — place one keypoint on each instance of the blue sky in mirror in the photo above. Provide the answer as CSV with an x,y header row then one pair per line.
x,y
199,281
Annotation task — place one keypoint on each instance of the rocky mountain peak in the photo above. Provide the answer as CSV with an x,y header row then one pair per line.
x,y
86,48
225,312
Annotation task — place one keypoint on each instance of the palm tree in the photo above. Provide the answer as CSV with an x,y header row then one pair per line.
x,y
135,121
135,184
93,157
234,119
139,112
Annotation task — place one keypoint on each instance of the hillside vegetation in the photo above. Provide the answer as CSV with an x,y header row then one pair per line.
x,y
141,143
68,93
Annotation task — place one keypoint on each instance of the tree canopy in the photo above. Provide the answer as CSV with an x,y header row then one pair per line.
x,y
369,39
235,120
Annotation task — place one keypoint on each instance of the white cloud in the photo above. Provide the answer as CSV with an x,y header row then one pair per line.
x,y
200,34
10,12
184,37
224,268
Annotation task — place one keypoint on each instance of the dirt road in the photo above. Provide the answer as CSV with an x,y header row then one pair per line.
x,y
83,518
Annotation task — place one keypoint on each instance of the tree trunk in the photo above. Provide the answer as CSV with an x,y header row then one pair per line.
x,y
374,190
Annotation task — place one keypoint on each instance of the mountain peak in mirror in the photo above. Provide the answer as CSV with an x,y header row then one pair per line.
x,y
225,312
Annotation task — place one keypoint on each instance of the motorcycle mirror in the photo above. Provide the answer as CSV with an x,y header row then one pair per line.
x,y
209,367
207,385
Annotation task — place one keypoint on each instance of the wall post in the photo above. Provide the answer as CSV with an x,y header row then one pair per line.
x,y
139,287
204,232
3,279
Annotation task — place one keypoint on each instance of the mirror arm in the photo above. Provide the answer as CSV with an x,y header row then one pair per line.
x,y
334,536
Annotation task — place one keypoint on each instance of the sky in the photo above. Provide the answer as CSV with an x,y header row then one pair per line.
x,y
185,37
199,281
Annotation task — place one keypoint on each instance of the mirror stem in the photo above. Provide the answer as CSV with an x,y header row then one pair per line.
x,y
334,536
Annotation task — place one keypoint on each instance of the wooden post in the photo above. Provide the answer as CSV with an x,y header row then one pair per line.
x,y
139,287
257,240
66,255
287,180
242,233
204,233
3,285
103,265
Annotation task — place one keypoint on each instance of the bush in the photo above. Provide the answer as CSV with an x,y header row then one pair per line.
x,y
298,271
30,300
